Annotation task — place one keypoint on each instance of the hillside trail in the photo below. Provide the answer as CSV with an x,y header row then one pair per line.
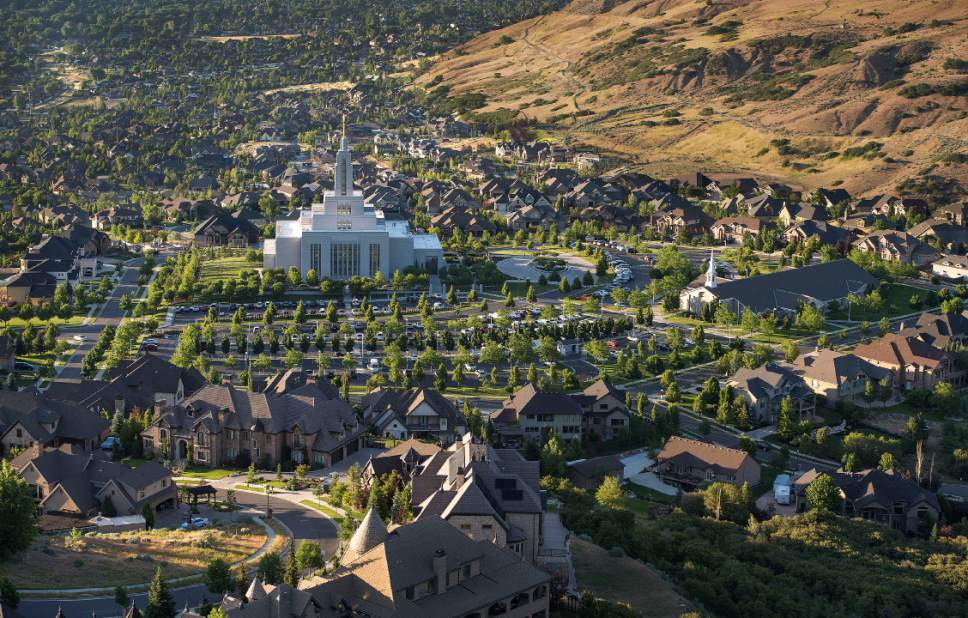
x,y
578,88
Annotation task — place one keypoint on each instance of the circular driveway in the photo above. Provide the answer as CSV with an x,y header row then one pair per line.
x,y
522,267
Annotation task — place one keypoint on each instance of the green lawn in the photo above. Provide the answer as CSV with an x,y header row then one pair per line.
x,y
16,322
211,474
325,509
896,301
261,487
224,268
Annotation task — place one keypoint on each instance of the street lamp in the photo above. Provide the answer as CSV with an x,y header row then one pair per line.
x,y
268,493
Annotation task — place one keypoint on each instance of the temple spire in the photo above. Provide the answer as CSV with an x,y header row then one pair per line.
x,y
711,271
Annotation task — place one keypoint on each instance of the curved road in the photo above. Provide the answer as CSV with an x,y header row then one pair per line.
x,y
304,524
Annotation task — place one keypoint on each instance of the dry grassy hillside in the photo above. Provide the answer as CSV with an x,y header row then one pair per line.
x,y
866,94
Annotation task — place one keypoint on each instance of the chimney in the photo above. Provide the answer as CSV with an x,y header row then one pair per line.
x,y
119,405
160,406
440,570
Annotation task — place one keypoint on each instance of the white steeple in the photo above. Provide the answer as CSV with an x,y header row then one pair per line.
x,y
343,181
711,271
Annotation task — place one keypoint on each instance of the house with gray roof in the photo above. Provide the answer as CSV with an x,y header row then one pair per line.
x,y
838,375
69,482
488,494
421,413
28,420
429,569
294,420
765,388
781,291
879,496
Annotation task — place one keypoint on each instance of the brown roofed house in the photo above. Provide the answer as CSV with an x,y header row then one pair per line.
x,y
691,463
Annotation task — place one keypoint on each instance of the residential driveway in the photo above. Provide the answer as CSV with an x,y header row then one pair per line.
x,y
635,466
767,504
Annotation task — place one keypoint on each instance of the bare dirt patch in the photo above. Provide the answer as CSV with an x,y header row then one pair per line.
x,y
245,37
317,87
626,580
129,557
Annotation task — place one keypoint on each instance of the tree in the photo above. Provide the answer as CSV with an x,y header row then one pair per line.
x,y
218,576
822,494
107,507
786,419
148,512
609,493
887,462
270,568
790,351
121,598
9,595
291,576
310,555
17,506
160,602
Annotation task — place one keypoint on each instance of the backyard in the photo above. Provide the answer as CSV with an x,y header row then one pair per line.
x,y
128,557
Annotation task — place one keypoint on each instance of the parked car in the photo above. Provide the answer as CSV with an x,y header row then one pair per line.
x,y
195,523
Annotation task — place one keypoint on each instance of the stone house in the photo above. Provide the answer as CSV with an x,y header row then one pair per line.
x,y
765,388
603,410
837,375
915,363
419,413
292,421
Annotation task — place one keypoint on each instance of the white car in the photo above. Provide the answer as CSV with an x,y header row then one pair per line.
x,y
195,523
79,338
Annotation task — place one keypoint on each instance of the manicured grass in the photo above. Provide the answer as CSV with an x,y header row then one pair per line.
x,y
74,320
325,509
649,495
224,268
896,301
211,474
625,580
261,487
102,559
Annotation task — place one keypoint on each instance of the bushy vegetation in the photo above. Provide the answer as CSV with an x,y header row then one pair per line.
x,y
807,565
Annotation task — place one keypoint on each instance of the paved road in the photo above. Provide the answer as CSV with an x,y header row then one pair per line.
x,y
110,314
303,523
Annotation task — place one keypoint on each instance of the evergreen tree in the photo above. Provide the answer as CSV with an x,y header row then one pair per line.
x,y
291,575
160,602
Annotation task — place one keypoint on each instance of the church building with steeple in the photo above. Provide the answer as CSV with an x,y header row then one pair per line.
x,y
345,236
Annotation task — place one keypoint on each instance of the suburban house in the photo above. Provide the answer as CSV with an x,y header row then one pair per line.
x,y
951,266
406,459
897,246
879,496
28,420
537,412
603,409
826,233
940,233
73,483
914,362
736,229
838,375
419,413
691,463
819,284
426,568
488,494
293,420
683,217
590,473
145,383
765,388
221,229
942,330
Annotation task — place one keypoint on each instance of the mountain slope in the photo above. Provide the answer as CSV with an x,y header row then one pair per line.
x,y
864,94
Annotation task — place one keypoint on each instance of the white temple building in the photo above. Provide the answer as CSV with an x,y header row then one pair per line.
x,y
345,236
